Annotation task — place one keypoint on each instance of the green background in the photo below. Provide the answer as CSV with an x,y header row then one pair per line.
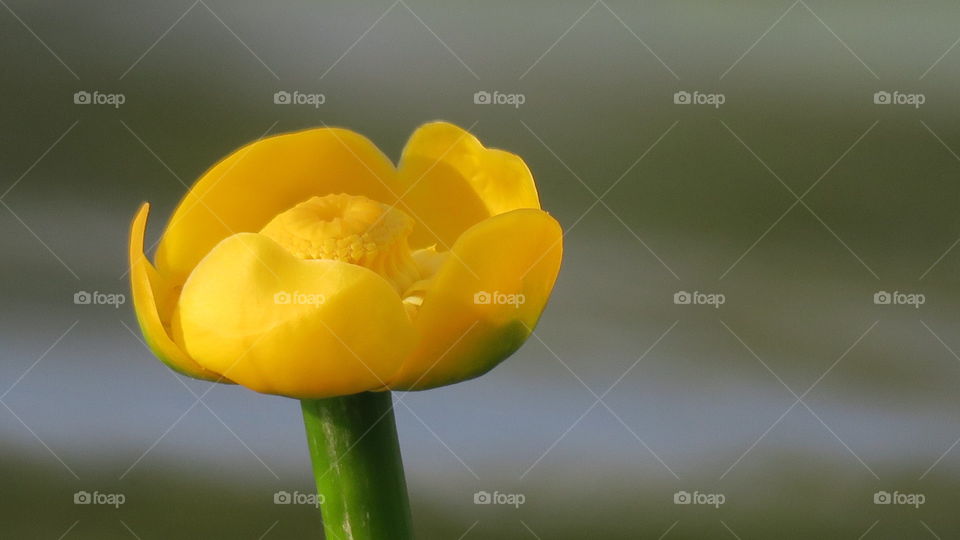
x,y
698,200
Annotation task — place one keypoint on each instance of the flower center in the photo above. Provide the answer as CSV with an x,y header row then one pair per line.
x,y
352,229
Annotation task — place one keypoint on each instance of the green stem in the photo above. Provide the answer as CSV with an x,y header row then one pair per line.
x,y
357,467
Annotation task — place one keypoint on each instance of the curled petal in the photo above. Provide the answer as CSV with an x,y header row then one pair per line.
x,y
282,325
485,300
252,185
453,182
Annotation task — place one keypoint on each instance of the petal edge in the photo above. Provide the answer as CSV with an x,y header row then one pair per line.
x,y
147,287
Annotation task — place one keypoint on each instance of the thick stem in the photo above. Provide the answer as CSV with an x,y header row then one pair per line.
x,y
357,467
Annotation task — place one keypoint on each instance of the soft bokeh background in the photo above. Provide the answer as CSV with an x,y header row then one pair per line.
x,y
695,198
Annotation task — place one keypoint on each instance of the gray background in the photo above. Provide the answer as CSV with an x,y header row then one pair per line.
x,y
694,198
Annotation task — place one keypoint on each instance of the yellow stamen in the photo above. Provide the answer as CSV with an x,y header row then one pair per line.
x,y
352,229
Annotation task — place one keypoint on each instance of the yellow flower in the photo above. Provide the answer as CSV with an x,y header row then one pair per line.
x,y
307,265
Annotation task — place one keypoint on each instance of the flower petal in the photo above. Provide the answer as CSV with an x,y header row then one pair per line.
x,y
453,182
255,183
282,325
485,300
153,301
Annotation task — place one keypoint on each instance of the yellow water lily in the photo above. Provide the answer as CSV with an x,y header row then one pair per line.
x,y
307,265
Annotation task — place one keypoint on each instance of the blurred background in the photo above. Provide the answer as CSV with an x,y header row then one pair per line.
x,y
780,165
